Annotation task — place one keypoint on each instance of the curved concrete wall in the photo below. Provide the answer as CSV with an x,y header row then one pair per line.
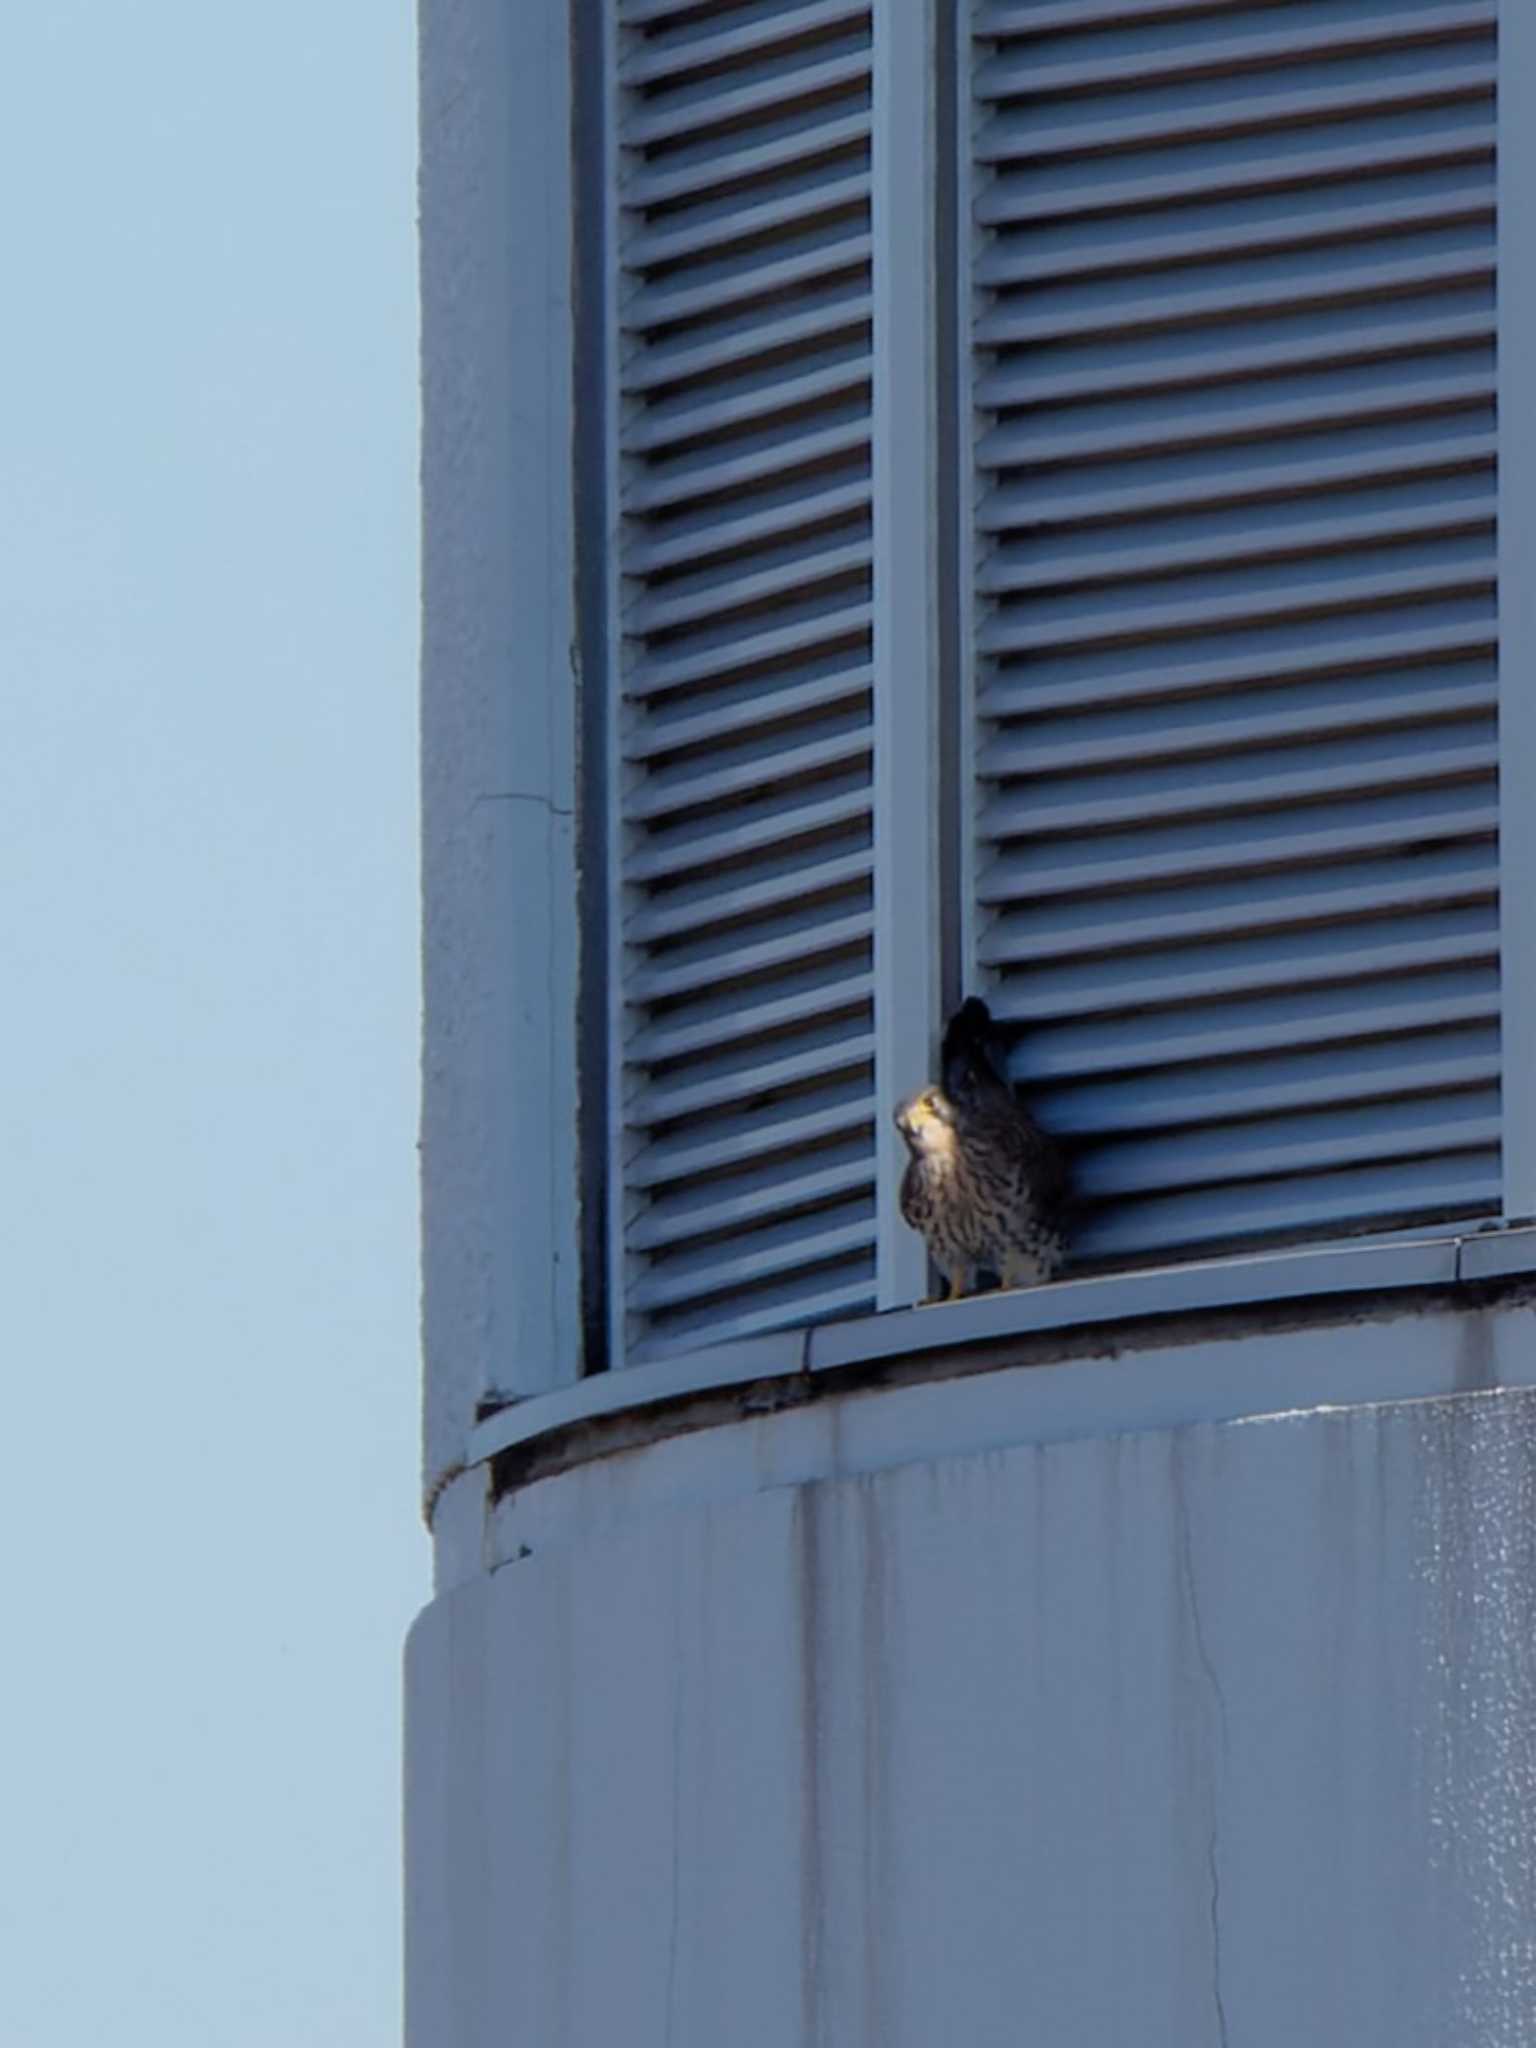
x,y
1220,1734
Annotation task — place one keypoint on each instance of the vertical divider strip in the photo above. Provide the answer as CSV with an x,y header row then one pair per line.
x,y
907,637
1517,607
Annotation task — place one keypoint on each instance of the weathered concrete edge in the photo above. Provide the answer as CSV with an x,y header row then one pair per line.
x,y
1100,1317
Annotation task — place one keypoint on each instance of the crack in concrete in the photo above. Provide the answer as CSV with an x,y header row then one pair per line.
x,y
677,1804
520,796
1213,1841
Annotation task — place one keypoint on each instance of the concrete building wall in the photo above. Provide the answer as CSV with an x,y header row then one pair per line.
x,y
499,1171
1222,1733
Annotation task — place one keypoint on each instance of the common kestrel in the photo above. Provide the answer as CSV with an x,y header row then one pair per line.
x,y
984,1184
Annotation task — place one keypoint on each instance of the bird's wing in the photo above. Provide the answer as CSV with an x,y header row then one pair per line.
x,y
914,1208
1024,1149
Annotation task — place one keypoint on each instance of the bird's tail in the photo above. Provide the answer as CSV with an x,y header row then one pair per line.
x,y
973,1054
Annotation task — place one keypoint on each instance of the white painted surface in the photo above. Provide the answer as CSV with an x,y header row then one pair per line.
x,y
1218,1734
498,1118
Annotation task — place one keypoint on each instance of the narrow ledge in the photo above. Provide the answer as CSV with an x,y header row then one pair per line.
x,y
1065,1310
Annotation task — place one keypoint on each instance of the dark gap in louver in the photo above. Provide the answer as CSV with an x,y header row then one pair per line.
x,y
726,1076
1089,928
687,1206
839,1086
727,268
820,836
1466,364
783,1226
732,1164
720,892
724,631
792,1243
737,704
837,1029
1273,475
1035,21
785,863
1278,530
1081,628
1435,996
1081,135
721,1004
847,402
1264,176
780,806
742,163
826,541
829,286
772,61
736,665
1023,808
1124,863
1065,680
728,200
793,112
1091,367
750,386
745,956
1217,723
688,541
705,841
1141,1100
1287,211
765,194
694,1197
1045,313
1244,232
1268,1153
1468,1198
803,476
1183,85
781,1301
830,549
1214,427
1472,526
1336,952
683,21
804,913
1183,36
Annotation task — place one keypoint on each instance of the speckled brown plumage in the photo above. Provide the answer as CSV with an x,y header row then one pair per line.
x,y
985,1185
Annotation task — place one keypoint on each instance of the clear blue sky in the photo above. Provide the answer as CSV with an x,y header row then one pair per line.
x,y
208,1019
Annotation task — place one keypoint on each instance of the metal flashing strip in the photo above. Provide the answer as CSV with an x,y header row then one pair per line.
x,y
1070,1305
1517,603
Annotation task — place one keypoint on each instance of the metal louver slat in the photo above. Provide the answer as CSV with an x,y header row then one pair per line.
x,y
1446,77
742,1114
1234,630
1229,363
1097,190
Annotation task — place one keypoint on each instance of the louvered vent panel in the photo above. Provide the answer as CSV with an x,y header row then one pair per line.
x,y
744,727
1233,275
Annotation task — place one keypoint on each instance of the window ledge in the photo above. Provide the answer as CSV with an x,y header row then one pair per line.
x,y
1147,1294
